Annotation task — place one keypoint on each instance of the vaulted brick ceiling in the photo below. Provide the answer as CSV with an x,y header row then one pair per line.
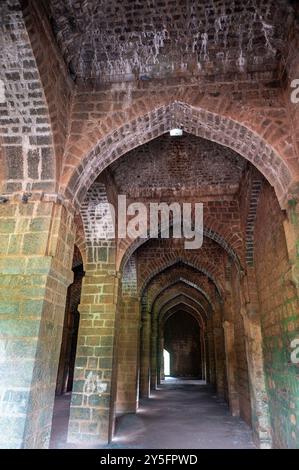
x,y
142,39
178,163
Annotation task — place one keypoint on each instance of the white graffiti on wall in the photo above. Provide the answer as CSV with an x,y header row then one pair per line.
x,y
2,91
94,385
295,353
12,403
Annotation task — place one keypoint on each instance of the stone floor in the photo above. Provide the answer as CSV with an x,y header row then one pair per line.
x,y
180,414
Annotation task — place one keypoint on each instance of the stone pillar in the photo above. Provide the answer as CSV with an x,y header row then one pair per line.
x,y
208,371
161,375
36,249
291,230
154,354
258,394
145,357
203,355
219,353
91,415
219,361
254,353
288,342
233,395
127,353
211,354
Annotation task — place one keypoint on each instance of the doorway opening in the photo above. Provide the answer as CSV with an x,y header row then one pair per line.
x,y
166,357
182,342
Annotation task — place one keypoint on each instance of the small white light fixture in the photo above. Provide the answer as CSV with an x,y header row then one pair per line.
x,y
176,132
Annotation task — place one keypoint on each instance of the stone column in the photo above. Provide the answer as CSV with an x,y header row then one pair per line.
x,y
211,354
145,357
254,353
233,395
208,377
290,332
91,415
291,230
219,353
203,355
127,353
36,249
219,361
161,375
154,354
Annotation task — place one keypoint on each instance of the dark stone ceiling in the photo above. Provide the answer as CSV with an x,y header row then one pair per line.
x,y
124,40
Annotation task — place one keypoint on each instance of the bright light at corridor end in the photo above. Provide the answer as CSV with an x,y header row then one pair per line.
x,y
166,362
176,132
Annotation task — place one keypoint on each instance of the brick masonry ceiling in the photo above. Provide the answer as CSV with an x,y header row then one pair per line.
x,y
175,163
109,41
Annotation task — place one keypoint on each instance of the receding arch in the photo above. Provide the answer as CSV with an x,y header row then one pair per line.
x,y
185,310
185,281
208,232
167,288
169,264
164,316
198,121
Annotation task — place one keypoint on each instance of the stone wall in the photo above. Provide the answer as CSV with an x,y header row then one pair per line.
x,y
26,134
279,319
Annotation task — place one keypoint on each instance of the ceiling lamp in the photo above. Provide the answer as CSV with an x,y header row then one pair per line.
x,y
176,132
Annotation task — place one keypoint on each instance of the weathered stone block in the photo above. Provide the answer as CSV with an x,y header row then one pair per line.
x,y
7,225
107,341
9,308
105,362
78,386
40,224
18,327
80,413
15,243
77,399
35,243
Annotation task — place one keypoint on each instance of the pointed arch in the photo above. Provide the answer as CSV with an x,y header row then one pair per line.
x,y
193,120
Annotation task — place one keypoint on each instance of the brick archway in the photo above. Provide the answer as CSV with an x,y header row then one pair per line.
x,y
198,121
207,232
179,295
164,315
153,291
206,270
159,302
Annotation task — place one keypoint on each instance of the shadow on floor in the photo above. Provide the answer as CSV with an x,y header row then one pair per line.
x,y
181,414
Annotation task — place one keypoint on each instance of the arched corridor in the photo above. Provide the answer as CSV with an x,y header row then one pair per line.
x,y
149,230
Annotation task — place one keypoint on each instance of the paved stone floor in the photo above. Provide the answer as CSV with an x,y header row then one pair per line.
x,y
180,414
